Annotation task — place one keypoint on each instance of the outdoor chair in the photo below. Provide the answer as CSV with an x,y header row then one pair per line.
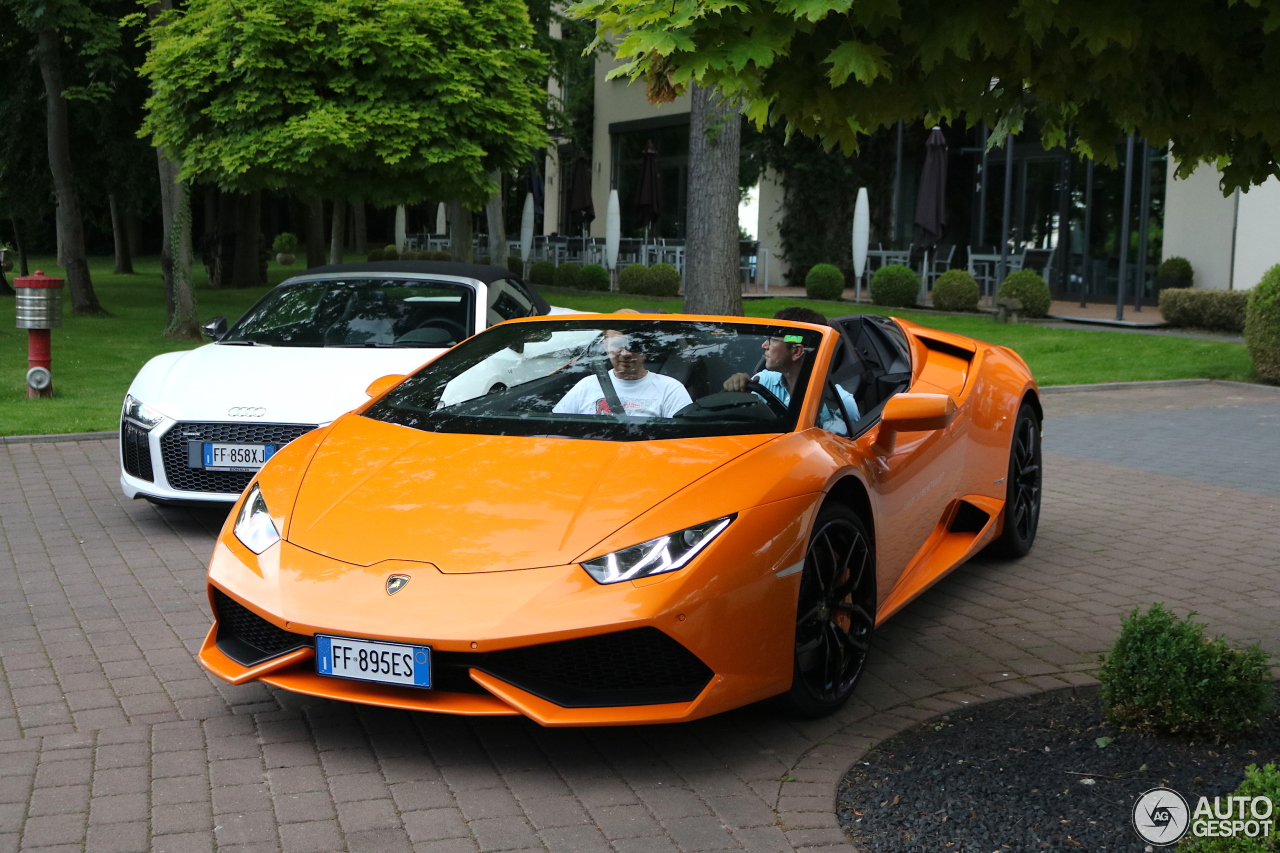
x,y
1040,260
748,261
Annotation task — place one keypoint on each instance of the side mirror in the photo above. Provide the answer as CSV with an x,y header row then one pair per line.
x,y
383,384
913,413
215,328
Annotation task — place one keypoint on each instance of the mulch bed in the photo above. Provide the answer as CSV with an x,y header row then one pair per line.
x,y
1028,774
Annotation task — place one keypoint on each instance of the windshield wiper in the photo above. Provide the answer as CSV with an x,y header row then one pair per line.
x,y
368,344
241,343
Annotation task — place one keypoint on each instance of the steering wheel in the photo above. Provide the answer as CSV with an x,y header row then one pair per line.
x,y
771,400
455,328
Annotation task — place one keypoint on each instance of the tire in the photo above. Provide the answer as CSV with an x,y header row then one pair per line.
x,y
835,614
1022,488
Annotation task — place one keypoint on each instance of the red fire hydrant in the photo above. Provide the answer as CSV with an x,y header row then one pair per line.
x,y
39,308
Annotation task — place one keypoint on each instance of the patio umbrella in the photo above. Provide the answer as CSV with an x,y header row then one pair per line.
x,y
931,203
861,237
612,231
401,230
580,207
526,230
442,219
648,200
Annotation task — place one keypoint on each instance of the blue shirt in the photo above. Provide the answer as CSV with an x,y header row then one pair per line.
x,y
776,383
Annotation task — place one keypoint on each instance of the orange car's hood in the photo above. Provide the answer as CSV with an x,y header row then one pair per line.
x,y
485,503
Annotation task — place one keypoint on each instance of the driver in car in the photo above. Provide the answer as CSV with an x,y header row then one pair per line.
x,y
783,358
642,392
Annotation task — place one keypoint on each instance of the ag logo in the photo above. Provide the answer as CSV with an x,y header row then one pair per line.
x,y
395,583
1161,816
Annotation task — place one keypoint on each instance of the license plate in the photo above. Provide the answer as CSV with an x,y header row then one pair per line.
x,y
236,457
367,660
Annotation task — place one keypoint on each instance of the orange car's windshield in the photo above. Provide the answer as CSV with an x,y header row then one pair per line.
x,y
622,380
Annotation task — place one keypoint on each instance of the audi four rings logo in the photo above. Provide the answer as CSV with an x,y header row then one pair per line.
x,y
246,412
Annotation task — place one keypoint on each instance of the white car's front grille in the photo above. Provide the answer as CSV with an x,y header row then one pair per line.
x,y
174,449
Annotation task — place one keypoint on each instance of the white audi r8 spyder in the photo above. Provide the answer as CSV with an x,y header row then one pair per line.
x,y
197,425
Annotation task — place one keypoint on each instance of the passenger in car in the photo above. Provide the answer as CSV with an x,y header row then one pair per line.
x,y
783,359
641,392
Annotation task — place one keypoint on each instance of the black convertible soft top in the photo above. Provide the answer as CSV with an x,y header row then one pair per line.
x,y
484,273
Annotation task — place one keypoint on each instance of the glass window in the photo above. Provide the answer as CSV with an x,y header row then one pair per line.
x,y
616,380
359,313
507,301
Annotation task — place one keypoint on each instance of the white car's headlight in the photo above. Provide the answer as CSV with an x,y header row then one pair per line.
x,y
664,554
140,413
254,526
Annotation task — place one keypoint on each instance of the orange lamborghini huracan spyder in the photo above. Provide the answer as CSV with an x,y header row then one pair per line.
x,y
623,519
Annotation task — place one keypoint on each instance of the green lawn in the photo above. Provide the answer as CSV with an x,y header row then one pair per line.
x,y
94,359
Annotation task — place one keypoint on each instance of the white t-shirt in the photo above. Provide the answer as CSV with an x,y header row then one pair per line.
x,y
654,395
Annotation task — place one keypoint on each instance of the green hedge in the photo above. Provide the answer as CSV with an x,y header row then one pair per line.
x,y
514,265
593,277
1187,307
543,272
1028,288
664,280
1258,782
824,281
895,286
1262,325
956,290
567,276
1176,268
634,278
1164,676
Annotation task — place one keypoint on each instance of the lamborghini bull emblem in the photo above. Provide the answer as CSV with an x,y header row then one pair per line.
x,y
395,583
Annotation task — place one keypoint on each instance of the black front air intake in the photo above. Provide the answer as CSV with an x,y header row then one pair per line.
x,y
642,666
135,451
247,638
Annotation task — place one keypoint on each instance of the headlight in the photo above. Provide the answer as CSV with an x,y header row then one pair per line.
x,y
140,413
664,554
254,526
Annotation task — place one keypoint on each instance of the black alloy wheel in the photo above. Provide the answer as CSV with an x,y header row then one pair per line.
x,y
1022,488
835,614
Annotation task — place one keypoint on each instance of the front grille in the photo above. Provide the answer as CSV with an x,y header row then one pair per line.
x,y
247,638
135,451
642,666
173,450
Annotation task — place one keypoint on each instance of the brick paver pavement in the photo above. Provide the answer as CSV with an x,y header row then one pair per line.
x,y
113,739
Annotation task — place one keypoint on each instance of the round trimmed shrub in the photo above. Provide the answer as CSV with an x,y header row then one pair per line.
x,y
1258,782
1029,288
1176,268
956,290
377,255
285,243
895,286
567,276
634,278
1164,676
824,281
543,273
434,256
664,280
390,253
593,277
1262,325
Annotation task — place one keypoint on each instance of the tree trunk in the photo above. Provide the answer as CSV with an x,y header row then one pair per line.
x,y
83,300
315,232
337,232
22,252
5,288
124,260
248,238
711,284
132,234
184,324
360,228
459,232
209,253
59,242
497,232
